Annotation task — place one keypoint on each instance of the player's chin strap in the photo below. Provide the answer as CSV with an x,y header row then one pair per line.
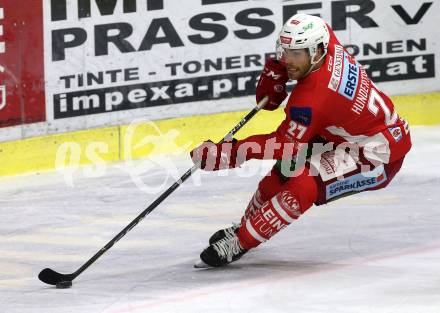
x,y
312,64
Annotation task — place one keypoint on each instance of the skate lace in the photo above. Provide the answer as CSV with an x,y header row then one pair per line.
x,y
230,232
227,248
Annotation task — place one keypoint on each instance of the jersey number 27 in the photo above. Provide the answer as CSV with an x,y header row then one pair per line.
x,y
296,130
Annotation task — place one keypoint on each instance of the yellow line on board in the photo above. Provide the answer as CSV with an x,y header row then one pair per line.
x,y
172,136
420,109
40,153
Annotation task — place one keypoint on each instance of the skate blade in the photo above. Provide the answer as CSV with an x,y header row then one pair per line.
x,y
201,264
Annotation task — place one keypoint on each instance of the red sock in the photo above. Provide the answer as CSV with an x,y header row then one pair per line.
x,y
296,197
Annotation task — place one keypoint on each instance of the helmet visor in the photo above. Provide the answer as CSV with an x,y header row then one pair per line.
x,y
285,54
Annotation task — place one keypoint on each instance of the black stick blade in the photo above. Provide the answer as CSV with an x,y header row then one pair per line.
x,y
51,277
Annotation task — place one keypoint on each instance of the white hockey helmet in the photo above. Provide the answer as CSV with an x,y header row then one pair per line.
x,y
303,31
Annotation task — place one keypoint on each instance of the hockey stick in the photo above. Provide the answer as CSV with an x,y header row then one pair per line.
x,y
52,277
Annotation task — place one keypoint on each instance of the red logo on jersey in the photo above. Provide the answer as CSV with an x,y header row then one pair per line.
x,y
295,22
289,203
285,40
396,132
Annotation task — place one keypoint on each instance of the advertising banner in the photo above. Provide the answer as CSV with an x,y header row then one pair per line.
x,y
110,56
76,64
22,94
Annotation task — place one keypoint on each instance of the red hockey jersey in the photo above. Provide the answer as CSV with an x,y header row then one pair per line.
x,y
339,103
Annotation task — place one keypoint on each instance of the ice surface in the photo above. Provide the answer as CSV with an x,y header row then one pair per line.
x,y
373,252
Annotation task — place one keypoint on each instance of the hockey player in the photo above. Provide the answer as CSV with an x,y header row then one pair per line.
x,y
336,116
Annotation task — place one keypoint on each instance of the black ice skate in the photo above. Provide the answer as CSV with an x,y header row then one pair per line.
x,y
224,233
221,253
